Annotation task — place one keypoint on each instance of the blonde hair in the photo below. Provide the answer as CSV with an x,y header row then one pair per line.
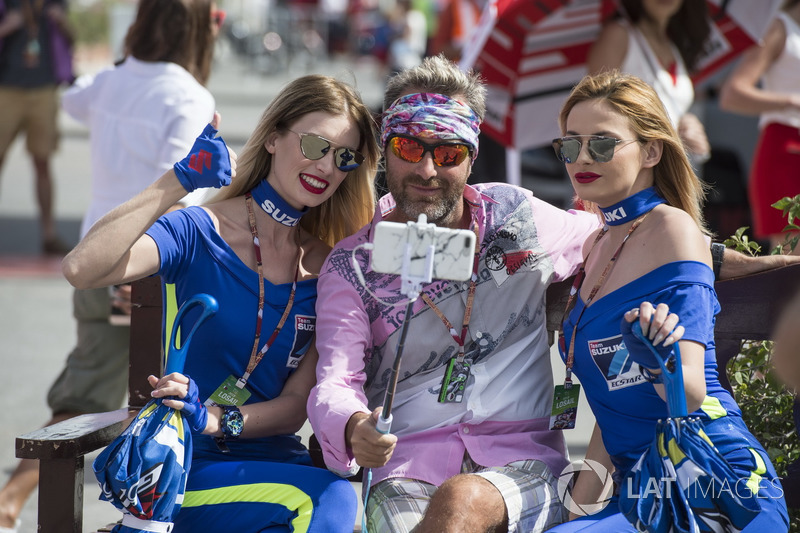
x,y
352,205
631,97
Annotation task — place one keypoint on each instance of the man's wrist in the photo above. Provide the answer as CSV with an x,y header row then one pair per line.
x,y
792,102
350,427
717,255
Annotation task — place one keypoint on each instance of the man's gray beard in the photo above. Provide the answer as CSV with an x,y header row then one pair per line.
x,y
437,211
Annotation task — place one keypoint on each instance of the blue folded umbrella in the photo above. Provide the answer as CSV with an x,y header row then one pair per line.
x,y
143,472
682,483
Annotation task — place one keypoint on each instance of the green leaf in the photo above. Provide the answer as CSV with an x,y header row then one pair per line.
x,y
782,203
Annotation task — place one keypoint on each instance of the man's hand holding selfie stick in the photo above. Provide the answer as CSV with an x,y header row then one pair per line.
x,y
370,448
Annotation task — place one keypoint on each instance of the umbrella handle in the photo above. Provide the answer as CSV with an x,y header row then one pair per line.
x,y
384,425
176,356
671,372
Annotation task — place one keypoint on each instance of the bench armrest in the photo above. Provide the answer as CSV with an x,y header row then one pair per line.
x,y
74,437
60,449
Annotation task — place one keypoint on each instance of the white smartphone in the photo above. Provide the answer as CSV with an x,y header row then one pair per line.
x,y
453,250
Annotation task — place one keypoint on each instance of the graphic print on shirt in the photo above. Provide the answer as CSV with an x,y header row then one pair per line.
x,y
506,219
611,357
385,286
304,327
513,246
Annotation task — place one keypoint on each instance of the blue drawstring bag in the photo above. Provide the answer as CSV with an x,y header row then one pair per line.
x,y
682,483
143,472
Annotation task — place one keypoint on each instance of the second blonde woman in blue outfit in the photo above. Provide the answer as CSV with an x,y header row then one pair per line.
x,y
650,261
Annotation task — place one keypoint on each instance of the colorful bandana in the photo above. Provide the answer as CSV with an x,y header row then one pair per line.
x,y
271,202
632,207
431,116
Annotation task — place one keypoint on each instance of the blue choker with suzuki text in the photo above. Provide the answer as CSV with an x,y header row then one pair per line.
x,y
279,209
632,207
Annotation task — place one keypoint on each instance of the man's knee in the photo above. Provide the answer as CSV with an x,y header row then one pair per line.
x,y
473,494
468,487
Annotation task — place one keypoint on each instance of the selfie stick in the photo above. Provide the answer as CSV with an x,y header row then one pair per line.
x,y
384,423
410,286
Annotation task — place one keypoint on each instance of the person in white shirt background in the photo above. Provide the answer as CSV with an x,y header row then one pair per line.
x,y
143,114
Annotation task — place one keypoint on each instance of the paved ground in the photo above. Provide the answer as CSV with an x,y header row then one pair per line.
x,y
36,324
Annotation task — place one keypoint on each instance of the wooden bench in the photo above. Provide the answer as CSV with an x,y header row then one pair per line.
x,y
750,307
61,448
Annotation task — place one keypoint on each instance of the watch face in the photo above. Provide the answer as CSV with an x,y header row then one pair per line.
x,y
234,422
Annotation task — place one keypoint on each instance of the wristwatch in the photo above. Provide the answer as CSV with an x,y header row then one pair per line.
x,y
231,424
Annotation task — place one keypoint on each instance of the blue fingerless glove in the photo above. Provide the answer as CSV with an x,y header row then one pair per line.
x,y
195,413
208,163
640,348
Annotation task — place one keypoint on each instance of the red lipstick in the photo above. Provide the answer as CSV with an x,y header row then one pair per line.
x,y
586,177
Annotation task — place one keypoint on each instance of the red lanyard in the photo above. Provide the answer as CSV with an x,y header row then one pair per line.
x,y
256,355
576,287
473,282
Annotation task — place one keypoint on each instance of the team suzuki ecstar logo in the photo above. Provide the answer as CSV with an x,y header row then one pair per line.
x,y
589,468
199,160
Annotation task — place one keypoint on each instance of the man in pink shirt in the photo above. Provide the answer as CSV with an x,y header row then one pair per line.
x,y
491,458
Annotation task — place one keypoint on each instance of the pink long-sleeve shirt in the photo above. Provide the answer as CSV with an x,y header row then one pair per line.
x,y
525,244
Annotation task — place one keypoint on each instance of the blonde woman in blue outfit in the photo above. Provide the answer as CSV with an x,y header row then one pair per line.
x,y
303,181
651,260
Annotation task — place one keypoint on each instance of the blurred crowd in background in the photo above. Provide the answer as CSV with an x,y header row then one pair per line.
x,y
275,36
272,35
275,33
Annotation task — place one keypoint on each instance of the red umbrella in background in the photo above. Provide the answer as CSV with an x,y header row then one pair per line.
x,y
737,25
531,54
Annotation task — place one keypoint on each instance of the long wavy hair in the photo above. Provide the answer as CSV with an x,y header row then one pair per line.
x,y
632,98
177,31
688,29
352,205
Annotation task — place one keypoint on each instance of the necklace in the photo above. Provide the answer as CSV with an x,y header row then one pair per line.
x,y
256,355
460,338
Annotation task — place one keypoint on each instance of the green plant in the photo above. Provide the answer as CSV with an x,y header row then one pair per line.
x,y
791,210
740,242
790,207
765,402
